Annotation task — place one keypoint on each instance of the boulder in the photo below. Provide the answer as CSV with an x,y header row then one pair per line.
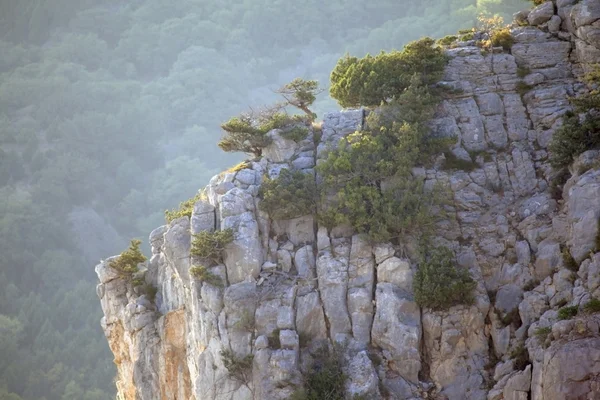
x,y
541,13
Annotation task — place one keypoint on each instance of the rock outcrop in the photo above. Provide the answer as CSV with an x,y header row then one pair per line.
x,y
292,287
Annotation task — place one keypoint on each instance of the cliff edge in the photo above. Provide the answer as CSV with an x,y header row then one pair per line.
x,y
287,289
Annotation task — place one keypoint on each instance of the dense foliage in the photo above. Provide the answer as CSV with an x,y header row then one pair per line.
x,y
127,262
325,380
368,181
290,195
109,113
203,274
369,81
439,284
210,245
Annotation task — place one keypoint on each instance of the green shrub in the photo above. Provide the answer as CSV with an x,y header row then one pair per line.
x,y
567,312
573,138
210,245
578,135
452,162
127,262
369,81
568,260
367,180
447,40
522,88
542,333
185,208
592,306
438,284
522,72
297,133
238,368
512,318
520,357
290,195
325,380
469,35
238,167
202,273
538,2
502,37
274,341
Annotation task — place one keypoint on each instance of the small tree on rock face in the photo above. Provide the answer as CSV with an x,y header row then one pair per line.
x,y
242,134
301,93
438,284
127,263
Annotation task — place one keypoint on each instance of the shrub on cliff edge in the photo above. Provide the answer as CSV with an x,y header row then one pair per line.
x,y
127,262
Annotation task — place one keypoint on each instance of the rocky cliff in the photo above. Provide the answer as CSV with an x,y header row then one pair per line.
x,y
291,286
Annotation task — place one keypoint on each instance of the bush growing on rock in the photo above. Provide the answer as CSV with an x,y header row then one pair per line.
x,y
210,245
238,368
592,306
438,284
567,312
367,180
202,273
127,262
247,133
520,357
291,195
301,94
325,379
581,127
369,81
185,208
494,32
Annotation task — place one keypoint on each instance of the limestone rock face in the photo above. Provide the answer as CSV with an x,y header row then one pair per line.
x,y
287,292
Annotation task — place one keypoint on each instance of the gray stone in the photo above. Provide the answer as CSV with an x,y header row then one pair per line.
x,y
244,256
548,259
203,217
554,24
157,238
383,251
362,378
397,329
333,286
396,271
541,55
570,369
541,13
310,320
508,298
289,339
280,149
583,214
532,307
518,385
490,104
523,252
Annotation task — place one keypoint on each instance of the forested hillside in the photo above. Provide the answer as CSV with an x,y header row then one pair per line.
x,y
110,113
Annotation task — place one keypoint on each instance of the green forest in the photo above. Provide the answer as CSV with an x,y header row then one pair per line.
x,y
110,114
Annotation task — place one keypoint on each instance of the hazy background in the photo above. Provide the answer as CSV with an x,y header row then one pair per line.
x,y
109,114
